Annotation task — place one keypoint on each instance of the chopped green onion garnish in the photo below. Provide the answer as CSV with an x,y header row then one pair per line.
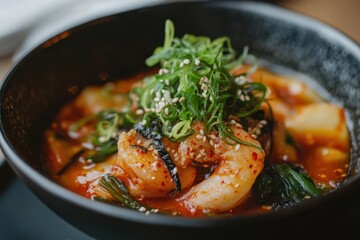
x,y
118,190
194,84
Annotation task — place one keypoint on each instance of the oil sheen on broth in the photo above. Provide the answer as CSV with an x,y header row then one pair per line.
x,y
304,131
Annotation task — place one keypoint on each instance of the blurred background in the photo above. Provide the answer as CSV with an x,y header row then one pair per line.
x,y
26,23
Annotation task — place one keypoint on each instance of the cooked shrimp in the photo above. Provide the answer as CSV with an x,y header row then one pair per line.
x,y
233,178
145,173
197,147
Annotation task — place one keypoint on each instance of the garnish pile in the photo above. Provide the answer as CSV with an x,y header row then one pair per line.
x,y
194,84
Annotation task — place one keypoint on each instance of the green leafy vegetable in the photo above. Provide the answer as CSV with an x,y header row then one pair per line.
x,y
118,190
282,185
80,123
194,84
107,124
103,151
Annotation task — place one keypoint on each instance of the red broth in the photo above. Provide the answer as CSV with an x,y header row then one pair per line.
x,y
320,147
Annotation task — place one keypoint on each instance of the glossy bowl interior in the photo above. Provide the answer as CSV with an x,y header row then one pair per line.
x,y
116,46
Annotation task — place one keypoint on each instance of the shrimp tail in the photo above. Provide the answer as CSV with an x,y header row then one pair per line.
x,y
153,132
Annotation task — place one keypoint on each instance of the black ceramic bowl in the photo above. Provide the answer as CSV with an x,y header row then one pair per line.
x,y
117,45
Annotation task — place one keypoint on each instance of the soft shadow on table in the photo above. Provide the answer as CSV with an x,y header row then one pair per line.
x,y
6,176
24,216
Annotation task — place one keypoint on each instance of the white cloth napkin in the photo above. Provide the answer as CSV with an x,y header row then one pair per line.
x,y
23,22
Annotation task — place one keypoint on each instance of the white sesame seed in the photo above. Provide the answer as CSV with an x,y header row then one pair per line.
x,y
236,185
211,142
102,139
263,122
238,125
167,96
203,80
202,131
181,64
198,156
237,147
197,62
186,61
156,99
253,136
204,94
268,92
174,171
152,91
204,86
147,213
242,97
199,136
167,82
166,111
182,99
142,209
307,197
239,92
152,177
138,142
232,122
204,139
158,95
139,111
174,100
212,136
162,104
247,98
143,122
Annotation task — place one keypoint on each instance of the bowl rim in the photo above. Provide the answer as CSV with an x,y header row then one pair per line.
x,y
26,172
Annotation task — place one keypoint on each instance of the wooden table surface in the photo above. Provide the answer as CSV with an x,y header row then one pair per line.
x,y
342,14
